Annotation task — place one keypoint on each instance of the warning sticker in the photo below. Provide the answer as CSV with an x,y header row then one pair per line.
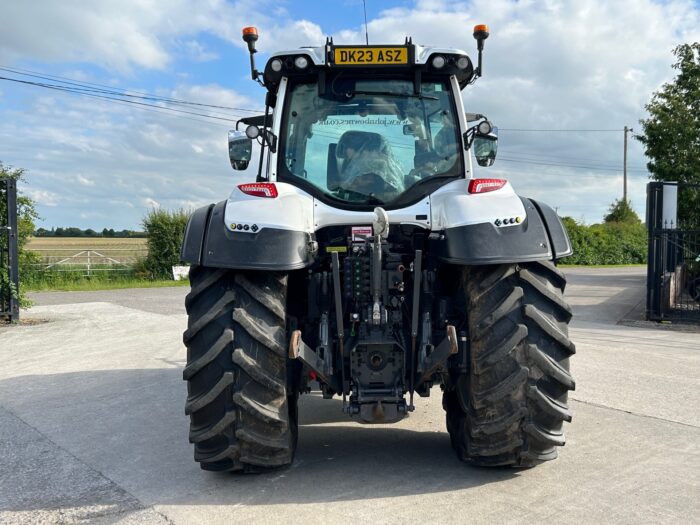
x,y
360,233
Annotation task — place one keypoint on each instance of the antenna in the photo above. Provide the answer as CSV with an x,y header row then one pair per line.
x,y
364,7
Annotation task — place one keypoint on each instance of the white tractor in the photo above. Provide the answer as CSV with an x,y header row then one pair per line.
x,y
367,260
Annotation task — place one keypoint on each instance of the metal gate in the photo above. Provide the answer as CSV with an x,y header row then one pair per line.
x,y
673,271
9,270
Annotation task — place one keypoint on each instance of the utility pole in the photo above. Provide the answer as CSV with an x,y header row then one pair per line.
x,y
624,167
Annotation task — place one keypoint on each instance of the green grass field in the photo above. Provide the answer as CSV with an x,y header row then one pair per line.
x,y
94,284
564,265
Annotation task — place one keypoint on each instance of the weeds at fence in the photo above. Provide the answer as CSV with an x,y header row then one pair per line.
x,y
63,279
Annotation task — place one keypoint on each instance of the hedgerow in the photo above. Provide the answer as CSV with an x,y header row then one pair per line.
x,y
607,243
165,230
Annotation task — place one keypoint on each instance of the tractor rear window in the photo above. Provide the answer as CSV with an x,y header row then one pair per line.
x,y
369,141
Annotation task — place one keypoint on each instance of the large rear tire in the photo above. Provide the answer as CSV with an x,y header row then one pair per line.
x,y
509,408
242,415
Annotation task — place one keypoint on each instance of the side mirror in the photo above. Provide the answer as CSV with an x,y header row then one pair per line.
x,y
240,149
485,146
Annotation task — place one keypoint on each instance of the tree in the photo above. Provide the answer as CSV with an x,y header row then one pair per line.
x,y
73,231
26,215
671,134
621,211
165,230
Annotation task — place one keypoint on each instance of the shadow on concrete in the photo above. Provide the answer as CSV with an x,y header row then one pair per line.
x,y
592,298
129,425
597,277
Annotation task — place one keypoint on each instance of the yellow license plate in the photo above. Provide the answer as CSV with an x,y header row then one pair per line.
x,y
378,56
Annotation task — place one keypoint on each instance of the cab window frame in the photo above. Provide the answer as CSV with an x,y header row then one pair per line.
x,y
410,196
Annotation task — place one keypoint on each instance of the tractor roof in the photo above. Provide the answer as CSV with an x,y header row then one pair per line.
x,y
405,59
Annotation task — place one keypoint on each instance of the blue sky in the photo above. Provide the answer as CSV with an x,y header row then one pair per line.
x,y
550,64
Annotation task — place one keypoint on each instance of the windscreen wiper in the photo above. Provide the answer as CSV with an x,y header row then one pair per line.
x,y
430,178
368,199
390,94
416,188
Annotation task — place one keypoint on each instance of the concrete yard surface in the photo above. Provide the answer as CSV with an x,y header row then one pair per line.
x,y
92,429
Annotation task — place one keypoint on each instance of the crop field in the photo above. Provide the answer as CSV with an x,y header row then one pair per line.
x,y
90,253
122,250
90,263
40,243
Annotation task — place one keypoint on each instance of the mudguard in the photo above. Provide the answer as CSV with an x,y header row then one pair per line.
x,y
191,250
558,236
540,236
208,242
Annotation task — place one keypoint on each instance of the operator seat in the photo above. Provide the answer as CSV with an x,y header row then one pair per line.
x,y
355,145
359,140
368,166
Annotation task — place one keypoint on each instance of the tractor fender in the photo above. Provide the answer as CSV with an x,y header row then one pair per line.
x,y
193,240
209,241
541,235
556,231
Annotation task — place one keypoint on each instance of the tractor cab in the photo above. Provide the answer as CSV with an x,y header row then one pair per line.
x,y
361,126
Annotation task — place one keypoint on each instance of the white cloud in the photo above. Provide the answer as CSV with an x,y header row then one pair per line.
x,y
198,52
111,163
291,35
42,197
124,34
555,64
84,181
151,203
111,33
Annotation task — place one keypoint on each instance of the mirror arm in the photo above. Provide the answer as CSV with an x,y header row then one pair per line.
x,y
469,136
259,177
271,140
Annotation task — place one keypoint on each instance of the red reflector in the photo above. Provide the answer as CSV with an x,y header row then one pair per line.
x,y
259,189
485,185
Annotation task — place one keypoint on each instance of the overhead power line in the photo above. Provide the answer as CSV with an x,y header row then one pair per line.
x,y
67,89
561,130
563,165
548,157
159,104
114,91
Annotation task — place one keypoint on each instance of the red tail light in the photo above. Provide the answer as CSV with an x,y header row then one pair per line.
x,y
259,189
485,185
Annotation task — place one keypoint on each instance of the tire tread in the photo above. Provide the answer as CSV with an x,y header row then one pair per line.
x,y
508,409
242,416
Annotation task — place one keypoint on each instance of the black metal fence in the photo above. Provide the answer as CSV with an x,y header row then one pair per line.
x,y
673,272
9,262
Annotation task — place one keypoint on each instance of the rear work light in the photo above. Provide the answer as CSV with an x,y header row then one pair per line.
x,y
485,185
259,189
